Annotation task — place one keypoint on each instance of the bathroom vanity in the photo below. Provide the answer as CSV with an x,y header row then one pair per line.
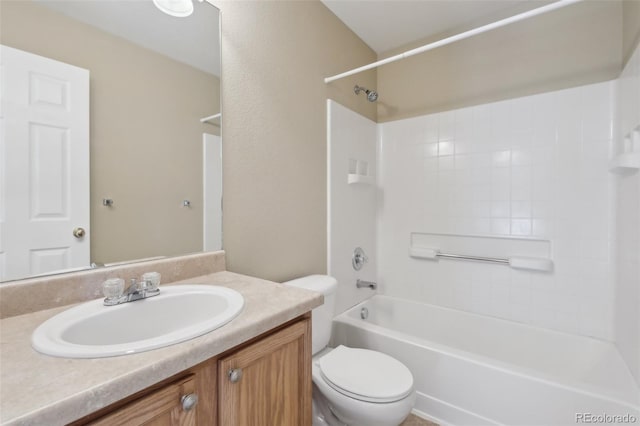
x,y
258,366
267,378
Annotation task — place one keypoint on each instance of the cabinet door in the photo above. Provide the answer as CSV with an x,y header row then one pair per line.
x,y
163,407
268,382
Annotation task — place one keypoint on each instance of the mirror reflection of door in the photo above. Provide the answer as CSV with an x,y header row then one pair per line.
x,y
212,186
154,77
44,201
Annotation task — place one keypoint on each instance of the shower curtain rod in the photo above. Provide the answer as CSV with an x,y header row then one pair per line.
x,y
461,36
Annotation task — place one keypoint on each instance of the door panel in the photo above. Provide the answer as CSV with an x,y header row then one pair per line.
x,y
44,161
275,385
47,91
49,167
160,408
212,186
45,260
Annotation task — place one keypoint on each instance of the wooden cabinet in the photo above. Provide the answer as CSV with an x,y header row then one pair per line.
x,y
268,382
270,385
163,407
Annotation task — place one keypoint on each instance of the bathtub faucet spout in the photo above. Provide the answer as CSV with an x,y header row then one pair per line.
x,y
366,284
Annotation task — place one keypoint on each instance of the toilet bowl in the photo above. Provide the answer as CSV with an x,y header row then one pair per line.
x,y
353,386
363,387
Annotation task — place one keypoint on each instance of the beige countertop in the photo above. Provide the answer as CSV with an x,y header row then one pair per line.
x,y
37,389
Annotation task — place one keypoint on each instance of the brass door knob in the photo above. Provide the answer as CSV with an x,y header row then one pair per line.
x,y
79,232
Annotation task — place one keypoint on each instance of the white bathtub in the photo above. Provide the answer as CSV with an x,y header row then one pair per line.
x,y
475,370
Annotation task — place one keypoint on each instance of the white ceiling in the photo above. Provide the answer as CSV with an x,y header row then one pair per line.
x,y
382,24
388,24
193,40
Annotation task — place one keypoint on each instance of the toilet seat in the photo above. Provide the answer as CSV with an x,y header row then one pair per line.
x,y
365,375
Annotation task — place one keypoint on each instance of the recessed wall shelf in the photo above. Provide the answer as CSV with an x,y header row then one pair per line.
x,y
625,162
629,157
359,172
356,178
518,253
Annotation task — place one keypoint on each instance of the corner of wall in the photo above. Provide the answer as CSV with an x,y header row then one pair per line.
x,y
630,29
275,56
627,223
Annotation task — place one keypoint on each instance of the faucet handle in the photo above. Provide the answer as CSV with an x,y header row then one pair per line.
x,y
113,288
359,258
151,280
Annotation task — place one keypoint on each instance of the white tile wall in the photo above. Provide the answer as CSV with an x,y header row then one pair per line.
x,y
352,207
530,167
627,247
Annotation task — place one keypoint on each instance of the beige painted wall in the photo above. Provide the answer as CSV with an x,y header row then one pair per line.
x,y
630,28
146,137
576,45
275,55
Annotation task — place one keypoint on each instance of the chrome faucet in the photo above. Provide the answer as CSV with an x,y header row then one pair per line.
x,y
113,290
366,284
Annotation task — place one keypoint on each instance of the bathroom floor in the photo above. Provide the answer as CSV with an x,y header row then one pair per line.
x,y
417,421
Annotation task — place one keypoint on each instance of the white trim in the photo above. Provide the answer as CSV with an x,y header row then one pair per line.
x,y
210,119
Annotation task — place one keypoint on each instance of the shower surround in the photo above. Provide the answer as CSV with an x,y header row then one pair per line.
x,y
627,223
533,167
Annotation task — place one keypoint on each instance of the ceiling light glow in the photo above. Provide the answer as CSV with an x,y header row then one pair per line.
x,y
179,8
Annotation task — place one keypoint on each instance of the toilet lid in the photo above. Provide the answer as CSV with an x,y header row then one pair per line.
x,y
366,375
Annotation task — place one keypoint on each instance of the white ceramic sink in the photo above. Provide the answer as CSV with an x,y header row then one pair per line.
x,y
179,313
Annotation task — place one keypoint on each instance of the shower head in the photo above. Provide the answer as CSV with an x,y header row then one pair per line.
x,y
372,95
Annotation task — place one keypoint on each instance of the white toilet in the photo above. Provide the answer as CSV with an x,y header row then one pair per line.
x,y
355,387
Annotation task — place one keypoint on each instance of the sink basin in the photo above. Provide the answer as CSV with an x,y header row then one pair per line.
x,y
179,313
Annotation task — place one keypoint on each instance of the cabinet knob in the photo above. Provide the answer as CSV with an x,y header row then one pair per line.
x,y
189,401
235,374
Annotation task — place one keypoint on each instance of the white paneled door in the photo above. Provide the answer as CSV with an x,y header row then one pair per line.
x,y
44,165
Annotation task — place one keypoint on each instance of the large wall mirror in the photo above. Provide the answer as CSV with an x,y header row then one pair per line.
x,y
110,145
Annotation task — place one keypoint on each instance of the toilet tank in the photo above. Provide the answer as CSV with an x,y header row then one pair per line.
x,y
321,316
